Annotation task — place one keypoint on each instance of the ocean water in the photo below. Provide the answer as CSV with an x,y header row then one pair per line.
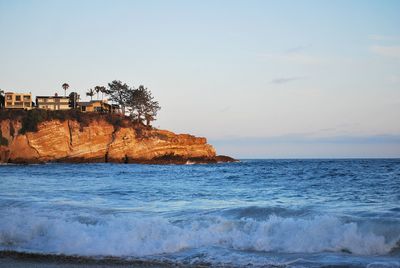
x,y
256,213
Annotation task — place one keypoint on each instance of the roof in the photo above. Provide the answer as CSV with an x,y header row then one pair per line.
x,y
53,97
83,103
18,93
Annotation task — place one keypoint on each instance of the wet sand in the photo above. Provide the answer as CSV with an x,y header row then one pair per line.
x,y
19,260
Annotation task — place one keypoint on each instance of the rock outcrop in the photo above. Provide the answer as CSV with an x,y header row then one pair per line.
x,y
100,141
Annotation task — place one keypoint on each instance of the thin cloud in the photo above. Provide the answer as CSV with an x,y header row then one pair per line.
x,y
306,139
387,51
329,129
377,37
225,109
294,55
284,80
394,79
292,58
297,49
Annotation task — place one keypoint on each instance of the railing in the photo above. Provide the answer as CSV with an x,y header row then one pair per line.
x,y
15,106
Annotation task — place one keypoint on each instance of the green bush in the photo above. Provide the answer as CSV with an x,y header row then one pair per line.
x,y
3,141
12,129
32,118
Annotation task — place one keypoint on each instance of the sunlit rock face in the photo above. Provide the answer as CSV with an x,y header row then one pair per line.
x,y
100,141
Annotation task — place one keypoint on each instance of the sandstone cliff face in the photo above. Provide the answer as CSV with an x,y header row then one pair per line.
x,y
100,141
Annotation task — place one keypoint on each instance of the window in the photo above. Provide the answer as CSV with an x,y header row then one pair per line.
x,y
83,108
9,97
18,98
27,104
9,103
27,98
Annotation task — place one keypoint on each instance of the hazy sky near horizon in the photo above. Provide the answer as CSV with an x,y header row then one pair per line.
x,y
271,79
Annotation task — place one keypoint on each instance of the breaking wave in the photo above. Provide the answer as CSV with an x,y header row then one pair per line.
x,y
130,236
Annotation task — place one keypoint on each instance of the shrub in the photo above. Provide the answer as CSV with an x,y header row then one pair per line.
x,y
12,129
32,118
3,141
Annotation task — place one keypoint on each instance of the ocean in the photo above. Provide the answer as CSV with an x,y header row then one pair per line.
x,y
255,213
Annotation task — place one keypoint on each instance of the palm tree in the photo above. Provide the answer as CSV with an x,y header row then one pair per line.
x,y
65,86
96,88
99,89
90,93
103,91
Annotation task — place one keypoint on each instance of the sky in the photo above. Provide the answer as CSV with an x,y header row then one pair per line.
x,y
259,79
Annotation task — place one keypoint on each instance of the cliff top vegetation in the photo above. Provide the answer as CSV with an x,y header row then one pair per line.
x,y
32,118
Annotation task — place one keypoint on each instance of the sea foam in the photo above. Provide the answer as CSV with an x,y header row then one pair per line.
x,y
144,236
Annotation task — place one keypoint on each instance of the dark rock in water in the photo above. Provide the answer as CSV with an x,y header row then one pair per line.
x,y
225,159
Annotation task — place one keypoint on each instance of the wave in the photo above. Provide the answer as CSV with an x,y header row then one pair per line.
x,y
140,236
258,212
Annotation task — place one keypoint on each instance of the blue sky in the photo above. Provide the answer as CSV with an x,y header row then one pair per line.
x,y
275,79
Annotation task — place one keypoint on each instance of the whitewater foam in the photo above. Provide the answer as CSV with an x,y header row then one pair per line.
x,y
130,236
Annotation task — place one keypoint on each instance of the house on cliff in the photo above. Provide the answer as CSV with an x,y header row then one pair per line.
x,y
23,101
98,106
52,102
18,101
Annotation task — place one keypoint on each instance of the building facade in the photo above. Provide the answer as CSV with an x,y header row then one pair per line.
x,y
52,102
97,106
18,100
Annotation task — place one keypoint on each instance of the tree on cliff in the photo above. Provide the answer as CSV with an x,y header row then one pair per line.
x,y
90,93
2,98
141,105
65,86
73,98
118,93
151,112
99,89
103,91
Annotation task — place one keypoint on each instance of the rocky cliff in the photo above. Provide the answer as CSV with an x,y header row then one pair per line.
x,y
100,141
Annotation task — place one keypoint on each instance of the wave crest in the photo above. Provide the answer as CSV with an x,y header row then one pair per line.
x,y
129,236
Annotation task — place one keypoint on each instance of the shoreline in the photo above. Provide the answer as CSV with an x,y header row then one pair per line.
x,y
25,259
164,160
